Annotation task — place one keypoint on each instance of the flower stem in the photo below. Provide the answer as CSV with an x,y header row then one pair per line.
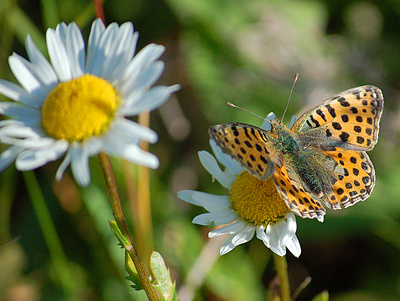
x,y
121,222
281,269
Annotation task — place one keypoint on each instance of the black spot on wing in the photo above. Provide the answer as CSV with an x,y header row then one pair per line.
x,y
248,144
344,136
321,113
314,121
331,110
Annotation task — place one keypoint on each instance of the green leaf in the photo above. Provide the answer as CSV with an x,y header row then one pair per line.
x,y
129,265
117,232
133,274
161,273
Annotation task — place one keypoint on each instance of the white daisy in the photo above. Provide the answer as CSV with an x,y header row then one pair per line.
x,y
252,206
77,104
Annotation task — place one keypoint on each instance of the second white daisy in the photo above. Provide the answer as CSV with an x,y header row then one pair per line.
x,y
252,207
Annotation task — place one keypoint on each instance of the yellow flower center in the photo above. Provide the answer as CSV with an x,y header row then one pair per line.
x,y
255,201
80,108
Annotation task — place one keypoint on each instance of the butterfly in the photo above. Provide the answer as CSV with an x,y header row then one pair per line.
x,y
321,159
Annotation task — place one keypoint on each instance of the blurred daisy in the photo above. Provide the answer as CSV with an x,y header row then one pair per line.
x,y
77,104
252,206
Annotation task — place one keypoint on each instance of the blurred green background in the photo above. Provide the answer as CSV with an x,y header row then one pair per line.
x,y
245,52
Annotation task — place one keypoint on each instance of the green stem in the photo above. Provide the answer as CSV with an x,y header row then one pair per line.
x,y
57,255
281,269
122,225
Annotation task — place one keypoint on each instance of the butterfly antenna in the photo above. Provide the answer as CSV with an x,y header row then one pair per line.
x,y
237,107
296,76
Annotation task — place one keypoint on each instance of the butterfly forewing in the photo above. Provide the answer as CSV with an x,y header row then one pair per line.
x,y
348,120
249,145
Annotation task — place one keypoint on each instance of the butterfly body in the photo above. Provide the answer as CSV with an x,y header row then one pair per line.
x,y
321,159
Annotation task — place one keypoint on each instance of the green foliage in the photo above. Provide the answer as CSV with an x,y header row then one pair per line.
x,y
162,277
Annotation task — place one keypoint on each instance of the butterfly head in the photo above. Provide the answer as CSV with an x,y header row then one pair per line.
x,y
277,127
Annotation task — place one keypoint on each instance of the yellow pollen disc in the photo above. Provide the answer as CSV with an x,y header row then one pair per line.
x,y
80,108
255,201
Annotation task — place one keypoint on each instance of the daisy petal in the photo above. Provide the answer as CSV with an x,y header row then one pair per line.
x,y
120,46
151,100
135,154
273,234
130,131
65,163
8,156
266,125
279,250
106,45
80,165
287,228
210,164
244,236
218,204
16,93
294,246
75,50
227,246
260,233
22,71
125,58
61,31
140,62
27,113
43,70
233,228
94,55
58,56
292,121
233,167
150,75
206,219
34,158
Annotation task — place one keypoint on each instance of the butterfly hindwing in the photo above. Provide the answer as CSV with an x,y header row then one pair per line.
x,y
348,120
356,177
249,145
295,195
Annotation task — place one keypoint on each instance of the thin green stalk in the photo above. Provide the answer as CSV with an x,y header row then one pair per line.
x,y
122,225
281,269
57,255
